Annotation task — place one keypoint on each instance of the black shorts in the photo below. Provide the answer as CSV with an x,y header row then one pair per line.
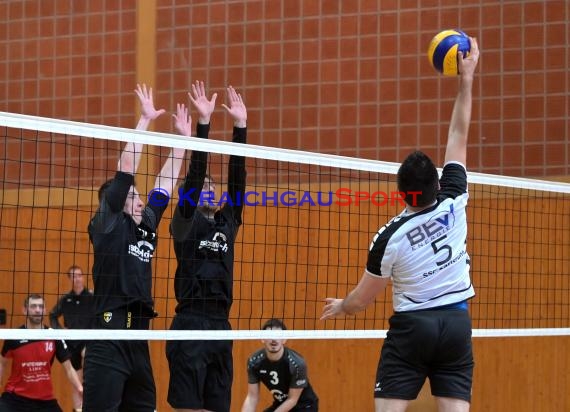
x,y
432,343
10,402
201,372
118,376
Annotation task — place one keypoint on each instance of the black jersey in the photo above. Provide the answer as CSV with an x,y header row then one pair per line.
x,y
288,372
123,251
77,310
205,247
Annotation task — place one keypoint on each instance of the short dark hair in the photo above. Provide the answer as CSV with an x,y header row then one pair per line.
x,y
104,187
274,323
417,173
32,296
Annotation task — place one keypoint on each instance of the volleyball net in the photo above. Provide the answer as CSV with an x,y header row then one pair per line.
x,y
308,222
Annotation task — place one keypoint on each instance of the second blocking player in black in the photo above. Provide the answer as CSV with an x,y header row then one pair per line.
x,y
201,372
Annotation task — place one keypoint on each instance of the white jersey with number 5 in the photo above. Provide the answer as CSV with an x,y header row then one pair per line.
x,y
425,253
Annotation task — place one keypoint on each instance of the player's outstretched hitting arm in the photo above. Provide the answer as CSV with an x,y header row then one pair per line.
x,y
461,116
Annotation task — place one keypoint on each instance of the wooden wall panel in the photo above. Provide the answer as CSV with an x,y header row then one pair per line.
x,y
511,375
37,245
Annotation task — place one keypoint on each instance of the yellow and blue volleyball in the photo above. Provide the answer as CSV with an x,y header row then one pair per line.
x,y
443,49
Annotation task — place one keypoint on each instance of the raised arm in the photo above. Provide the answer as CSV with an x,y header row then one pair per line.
x,y
196,174
461,117
168,176
236,169
131,155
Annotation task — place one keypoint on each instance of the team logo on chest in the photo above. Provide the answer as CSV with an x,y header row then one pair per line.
x,y
219,243
142,250
432,230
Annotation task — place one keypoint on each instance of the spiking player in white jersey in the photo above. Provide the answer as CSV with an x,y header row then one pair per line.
x,y
423,250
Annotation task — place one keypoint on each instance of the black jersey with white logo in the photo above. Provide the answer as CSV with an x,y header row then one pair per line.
x,y
123,251
205,247
288,372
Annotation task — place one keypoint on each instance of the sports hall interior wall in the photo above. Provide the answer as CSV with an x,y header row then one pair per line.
x,y
56,239
347,78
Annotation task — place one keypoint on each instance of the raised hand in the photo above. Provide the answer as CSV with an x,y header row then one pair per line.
x,y
147,104
182,120
200,101
466,65
235,107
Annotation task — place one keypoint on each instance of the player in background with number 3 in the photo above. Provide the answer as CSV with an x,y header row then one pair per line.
x,y
423,250
284,372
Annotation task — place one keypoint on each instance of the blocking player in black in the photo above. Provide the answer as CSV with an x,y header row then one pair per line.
x,y
76,308
201,372
118,374
423,250
284,372
29,386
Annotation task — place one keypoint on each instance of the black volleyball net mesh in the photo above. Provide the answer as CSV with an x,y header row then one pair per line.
x,y
308,221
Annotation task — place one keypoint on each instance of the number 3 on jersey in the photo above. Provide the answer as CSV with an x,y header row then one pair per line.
x,y
274,377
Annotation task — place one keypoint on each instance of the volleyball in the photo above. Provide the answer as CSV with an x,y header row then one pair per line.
x,y
443,49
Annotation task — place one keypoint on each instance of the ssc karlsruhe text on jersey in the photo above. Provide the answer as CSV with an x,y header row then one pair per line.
x,y
425,253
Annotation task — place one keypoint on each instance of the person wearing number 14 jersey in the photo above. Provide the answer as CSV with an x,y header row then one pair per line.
x,y
424,251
